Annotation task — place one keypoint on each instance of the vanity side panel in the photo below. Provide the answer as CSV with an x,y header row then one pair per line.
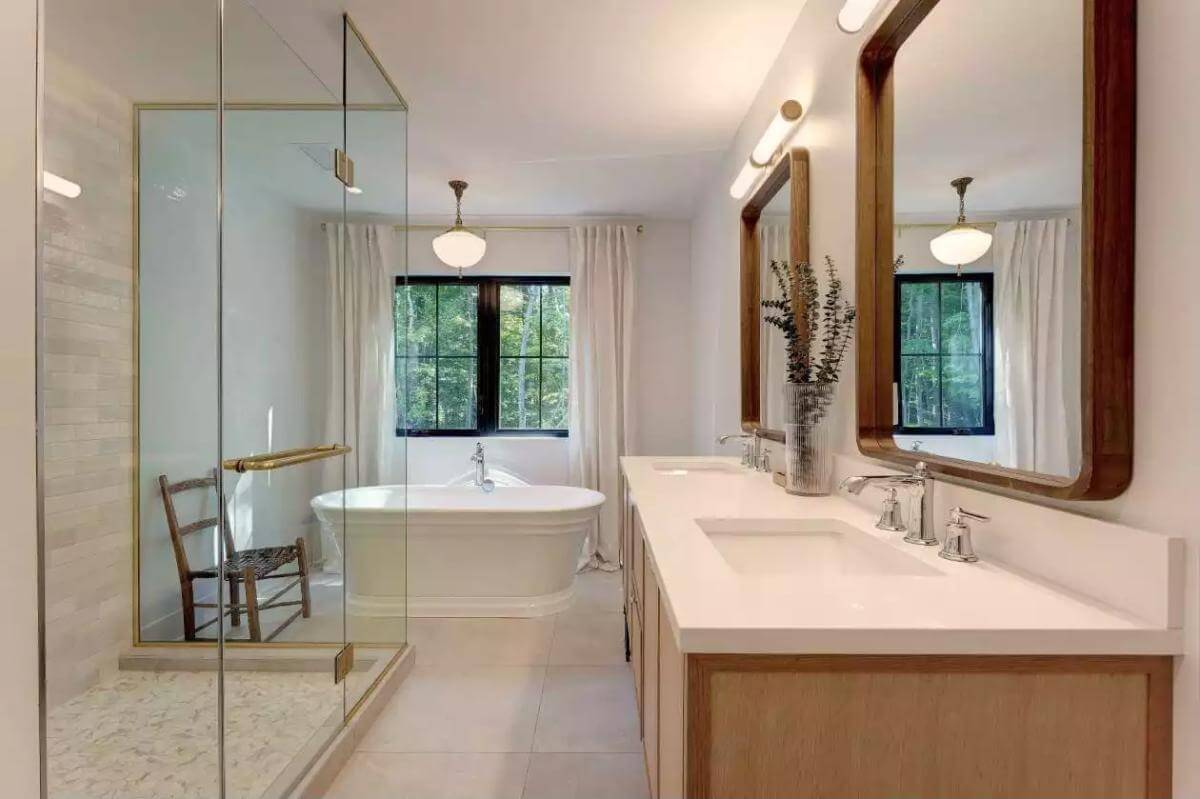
x,y
672,680
650,684
785,726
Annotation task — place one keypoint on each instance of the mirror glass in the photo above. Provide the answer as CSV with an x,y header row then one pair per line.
x,y
988,335
773,242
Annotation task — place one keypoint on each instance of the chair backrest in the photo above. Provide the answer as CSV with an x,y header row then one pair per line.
x,y
180,531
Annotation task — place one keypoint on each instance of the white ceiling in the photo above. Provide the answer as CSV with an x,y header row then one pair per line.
x,y
992,89
547,107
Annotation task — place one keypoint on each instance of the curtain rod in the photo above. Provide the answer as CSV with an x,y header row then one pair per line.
x,y
503,228
942,225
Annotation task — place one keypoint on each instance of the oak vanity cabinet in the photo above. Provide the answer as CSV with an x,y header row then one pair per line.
x,y
740,726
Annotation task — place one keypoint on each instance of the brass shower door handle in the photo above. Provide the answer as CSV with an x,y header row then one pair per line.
x,y
286,457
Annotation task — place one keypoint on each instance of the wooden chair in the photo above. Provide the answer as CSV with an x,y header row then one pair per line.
x,y
242,569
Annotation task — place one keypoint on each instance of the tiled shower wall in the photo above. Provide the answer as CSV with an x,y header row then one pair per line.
x,y
87,316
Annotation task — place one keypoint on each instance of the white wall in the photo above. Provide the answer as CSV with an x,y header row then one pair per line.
x,y
276,369
817,67
662,336
18,493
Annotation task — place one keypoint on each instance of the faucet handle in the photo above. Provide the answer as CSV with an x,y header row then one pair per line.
x,y
958,546
892,519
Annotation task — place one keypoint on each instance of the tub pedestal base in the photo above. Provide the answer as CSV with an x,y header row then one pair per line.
x,y
461,606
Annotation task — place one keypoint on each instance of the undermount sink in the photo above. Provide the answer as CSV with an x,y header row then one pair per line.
x,y
807,547
681,467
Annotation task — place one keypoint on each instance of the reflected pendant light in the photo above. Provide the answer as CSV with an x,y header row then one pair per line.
x,y
459,247
963,243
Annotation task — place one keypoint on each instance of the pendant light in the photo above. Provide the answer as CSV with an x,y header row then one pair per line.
x,y
459,247
963,243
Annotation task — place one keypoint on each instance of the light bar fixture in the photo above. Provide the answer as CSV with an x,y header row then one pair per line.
x,y
60,185
768,145
854,15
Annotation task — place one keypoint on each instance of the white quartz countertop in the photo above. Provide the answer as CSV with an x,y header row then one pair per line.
x,y
951,608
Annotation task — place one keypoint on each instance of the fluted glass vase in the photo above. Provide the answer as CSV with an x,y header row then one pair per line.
x,y
808,437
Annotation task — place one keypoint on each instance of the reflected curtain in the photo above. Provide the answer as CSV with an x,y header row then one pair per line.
x,y
1037,361
601,405
773,245
362,261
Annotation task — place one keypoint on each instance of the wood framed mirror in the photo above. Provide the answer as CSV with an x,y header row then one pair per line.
x,y
774,226
1036,102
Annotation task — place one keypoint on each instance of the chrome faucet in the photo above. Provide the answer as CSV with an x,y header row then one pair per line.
x,y
749,447
754,454
919,484
480,461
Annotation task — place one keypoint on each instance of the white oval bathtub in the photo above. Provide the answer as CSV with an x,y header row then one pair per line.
x,y
512,552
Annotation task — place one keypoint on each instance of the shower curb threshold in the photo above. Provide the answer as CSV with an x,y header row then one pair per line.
x,y
324,765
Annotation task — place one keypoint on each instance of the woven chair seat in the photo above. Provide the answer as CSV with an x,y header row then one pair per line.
x,y
263,561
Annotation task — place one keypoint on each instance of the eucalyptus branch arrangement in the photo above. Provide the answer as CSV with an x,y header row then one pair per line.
x,y
803,317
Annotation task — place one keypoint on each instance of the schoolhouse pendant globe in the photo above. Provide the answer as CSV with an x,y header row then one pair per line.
x,y
962,243
459,247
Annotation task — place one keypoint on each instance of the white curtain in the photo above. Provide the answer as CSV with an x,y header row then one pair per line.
x,y
363,260
1037,346
601,412
773,245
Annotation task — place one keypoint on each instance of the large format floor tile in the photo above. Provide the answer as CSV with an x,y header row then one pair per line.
x,y
390,775
460,709
597,591
588,709
483,642
587,776
589,639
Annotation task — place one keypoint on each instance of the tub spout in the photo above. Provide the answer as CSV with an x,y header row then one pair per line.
x,y
481,468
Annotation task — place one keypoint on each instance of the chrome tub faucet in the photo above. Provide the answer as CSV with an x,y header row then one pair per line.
x,y
480,461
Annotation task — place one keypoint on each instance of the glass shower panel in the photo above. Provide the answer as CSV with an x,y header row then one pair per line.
x,y
376,256
282,411
128,350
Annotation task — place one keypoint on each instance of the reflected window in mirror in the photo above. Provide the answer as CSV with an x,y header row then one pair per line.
x,y
944,368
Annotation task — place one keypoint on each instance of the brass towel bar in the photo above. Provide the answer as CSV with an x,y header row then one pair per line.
x,y
287,457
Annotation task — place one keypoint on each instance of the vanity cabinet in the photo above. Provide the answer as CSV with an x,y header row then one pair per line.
x,y
726,726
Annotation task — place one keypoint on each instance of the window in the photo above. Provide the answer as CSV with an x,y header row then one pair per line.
x,y
943,332
482,356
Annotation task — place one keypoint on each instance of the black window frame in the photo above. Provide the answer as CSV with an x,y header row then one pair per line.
x,y
487,348
985,279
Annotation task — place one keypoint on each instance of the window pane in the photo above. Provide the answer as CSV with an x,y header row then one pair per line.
x,y
554,393
918,318
456,393
519,393
520,322
458,308
415,403
962,317
962,391
919,391
556,321
415,320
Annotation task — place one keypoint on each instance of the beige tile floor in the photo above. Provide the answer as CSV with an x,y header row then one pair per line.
x,y
510,709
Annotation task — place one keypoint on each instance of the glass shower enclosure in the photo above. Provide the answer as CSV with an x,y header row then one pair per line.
x,y
216,304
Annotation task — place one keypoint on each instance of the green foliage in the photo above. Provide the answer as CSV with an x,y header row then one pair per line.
x,y
833,324
941,354
437,365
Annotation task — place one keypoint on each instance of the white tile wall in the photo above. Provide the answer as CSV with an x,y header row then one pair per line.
x,y
87,320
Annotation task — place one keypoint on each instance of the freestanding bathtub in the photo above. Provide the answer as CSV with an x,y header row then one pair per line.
x,y
512,552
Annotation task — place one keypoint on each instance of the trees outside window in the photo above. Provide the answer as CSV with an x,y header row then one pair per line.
x,y
943,335
482,356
